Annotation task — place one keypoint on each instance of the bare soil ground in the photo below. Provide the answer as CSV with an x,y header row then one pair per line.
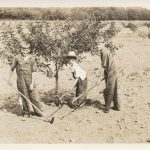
x,y
88,124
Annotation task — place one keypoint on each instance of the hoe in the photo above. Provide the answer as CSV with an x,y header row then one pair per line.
x,y
49,120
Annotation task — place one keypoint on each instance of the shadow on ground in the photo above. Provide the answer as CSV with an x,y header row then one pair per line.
x,y
51,98
94,103
11,104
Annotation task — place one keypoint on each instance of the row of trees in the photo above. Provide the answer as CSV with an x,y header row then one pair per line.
x,y
107,13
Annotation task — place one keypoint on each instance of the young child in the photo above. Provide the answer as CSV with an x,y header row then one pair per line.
x,y
80,78
25,65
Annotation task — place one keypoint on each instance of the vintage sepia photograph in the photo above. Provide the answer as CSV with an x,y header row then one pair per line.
x,y
74,72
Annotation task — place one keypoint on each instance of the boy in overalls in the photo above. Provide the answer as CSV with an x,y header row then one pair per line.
x,y
25,65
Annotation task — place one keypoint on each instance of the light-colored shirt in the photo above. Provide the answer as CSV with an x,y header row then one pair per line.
x,y
78,71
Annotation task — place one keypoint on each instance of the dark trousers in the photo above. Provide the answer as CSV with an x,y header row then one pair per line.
x,y
81,87
111,90
23,87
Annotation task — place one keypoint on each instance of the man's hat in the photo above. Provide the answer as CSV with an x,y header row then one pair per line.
x,y
72,55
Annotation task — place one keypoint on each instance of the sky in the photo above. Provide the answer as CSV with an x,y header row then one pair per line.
x,y
75,3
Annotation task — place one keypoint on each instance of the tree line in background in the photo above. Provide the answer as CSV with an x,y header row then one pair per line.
x,y
106,13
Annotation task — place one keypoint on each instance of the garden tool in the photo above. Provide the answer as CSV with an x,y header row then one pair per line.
x,y
58,99
75,99
59,102
49,120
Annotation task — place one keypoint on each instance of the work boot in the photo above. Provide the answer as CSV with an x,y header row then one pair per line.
x,y
26,115
70,104
115,108
74,105
38,114
106,110
57,101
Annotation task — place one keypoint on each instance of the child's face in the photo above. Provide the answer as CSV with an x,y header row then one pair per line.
x,y
25,51
70,63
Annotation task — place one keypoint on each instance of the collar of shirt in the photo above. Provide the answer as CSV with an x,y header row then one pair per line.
x,y
26,58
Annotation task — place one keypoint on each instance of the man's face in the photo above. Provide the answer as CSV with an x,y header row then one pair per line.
x,y
25,51
100,46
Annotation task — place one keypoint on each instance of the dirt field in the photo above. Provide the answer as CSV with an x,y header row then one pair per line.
x,y
89,124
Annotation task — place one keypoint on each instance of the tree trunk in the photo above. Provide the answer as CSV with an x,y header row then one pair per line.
x,y
56,78
56,84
